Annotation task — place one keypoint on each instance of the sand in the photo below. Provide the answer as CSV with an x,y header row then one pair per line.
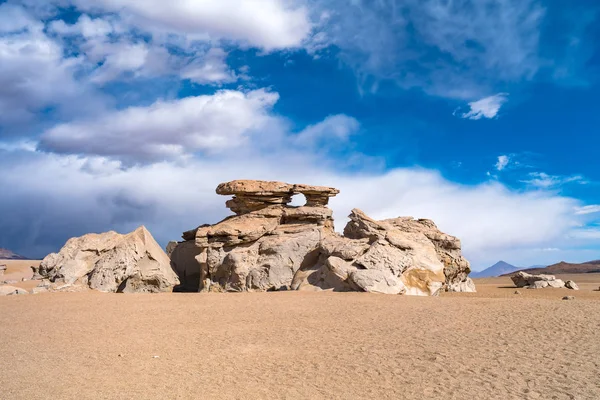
x,y
291,345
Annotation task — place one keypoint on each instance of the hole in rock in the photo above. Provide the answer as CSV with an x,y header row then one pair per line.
x,y
298,200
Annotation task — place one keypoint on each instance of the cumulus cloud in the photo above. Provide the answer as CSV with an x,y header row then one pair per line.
x,y
169,129
35,75
488,107
273,24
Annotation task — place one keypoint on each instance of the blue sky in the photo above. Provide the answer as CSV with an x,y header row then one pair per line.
x,y
481,115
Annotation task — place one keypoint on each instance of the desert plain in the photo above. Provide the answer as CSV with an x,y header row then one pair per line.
x,y
493,344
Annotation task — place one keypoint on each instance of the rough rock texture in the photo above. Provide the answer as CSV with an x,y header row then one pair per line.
x,y
110,262
523,279
11,290
269,245
571,285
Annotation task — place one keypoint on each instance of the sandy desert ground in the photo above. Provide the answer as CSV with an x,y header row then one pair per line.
x,y
490,345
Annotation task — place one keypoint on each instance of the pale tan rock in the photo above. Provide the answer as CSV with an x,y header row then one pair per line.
x,y
537,285
523,279
111,262
377,281
465,286
11,291
270,245
556,283
571,285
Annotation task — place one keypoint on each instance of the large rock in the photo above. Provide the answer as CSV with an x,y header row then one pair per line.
x,y
571,285
111,262
524,279
270,245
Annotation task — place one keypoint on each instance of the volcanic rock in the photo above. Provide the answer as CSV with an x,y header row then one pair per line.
x,y
270,245
110,262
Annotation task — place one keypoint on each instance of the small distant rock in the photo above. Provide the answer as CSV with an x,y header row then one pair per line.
x,y
11,282
571,285
11,290
517,292
39,289
569,298
24,279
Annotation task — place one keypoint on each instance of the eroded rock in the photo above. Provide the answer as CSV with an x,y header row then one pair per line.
x,y
110,262
270,245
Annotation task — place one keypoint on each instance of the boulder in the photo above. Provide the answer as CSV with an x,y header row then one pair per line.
x,y
571,285
110,262
556,283
568,298
270,245
523,279
538,285
11,290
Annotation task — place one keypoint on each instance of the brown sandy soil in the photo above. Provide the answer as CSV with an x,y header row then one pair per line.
x,y
489,345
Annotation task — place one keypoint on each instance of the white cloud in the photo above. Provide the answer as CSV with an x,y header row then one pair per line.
x,y
469,46
270,25
487,107
332,130
502,162
113,53
545,181
168,129
211,68
589,209
35,75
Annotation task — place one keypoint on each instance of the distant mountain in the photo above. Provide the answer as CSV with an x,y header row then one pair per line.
x,y
500,268
6,254
566,268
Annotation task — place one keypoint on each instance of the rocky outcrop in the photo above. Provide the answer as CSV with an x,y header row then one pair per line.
x,y
529,281
270,245
110,262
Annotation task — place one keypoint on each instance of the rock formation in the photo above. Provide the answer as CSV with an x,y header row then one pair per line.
x,y
270,245
110,262
529,281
